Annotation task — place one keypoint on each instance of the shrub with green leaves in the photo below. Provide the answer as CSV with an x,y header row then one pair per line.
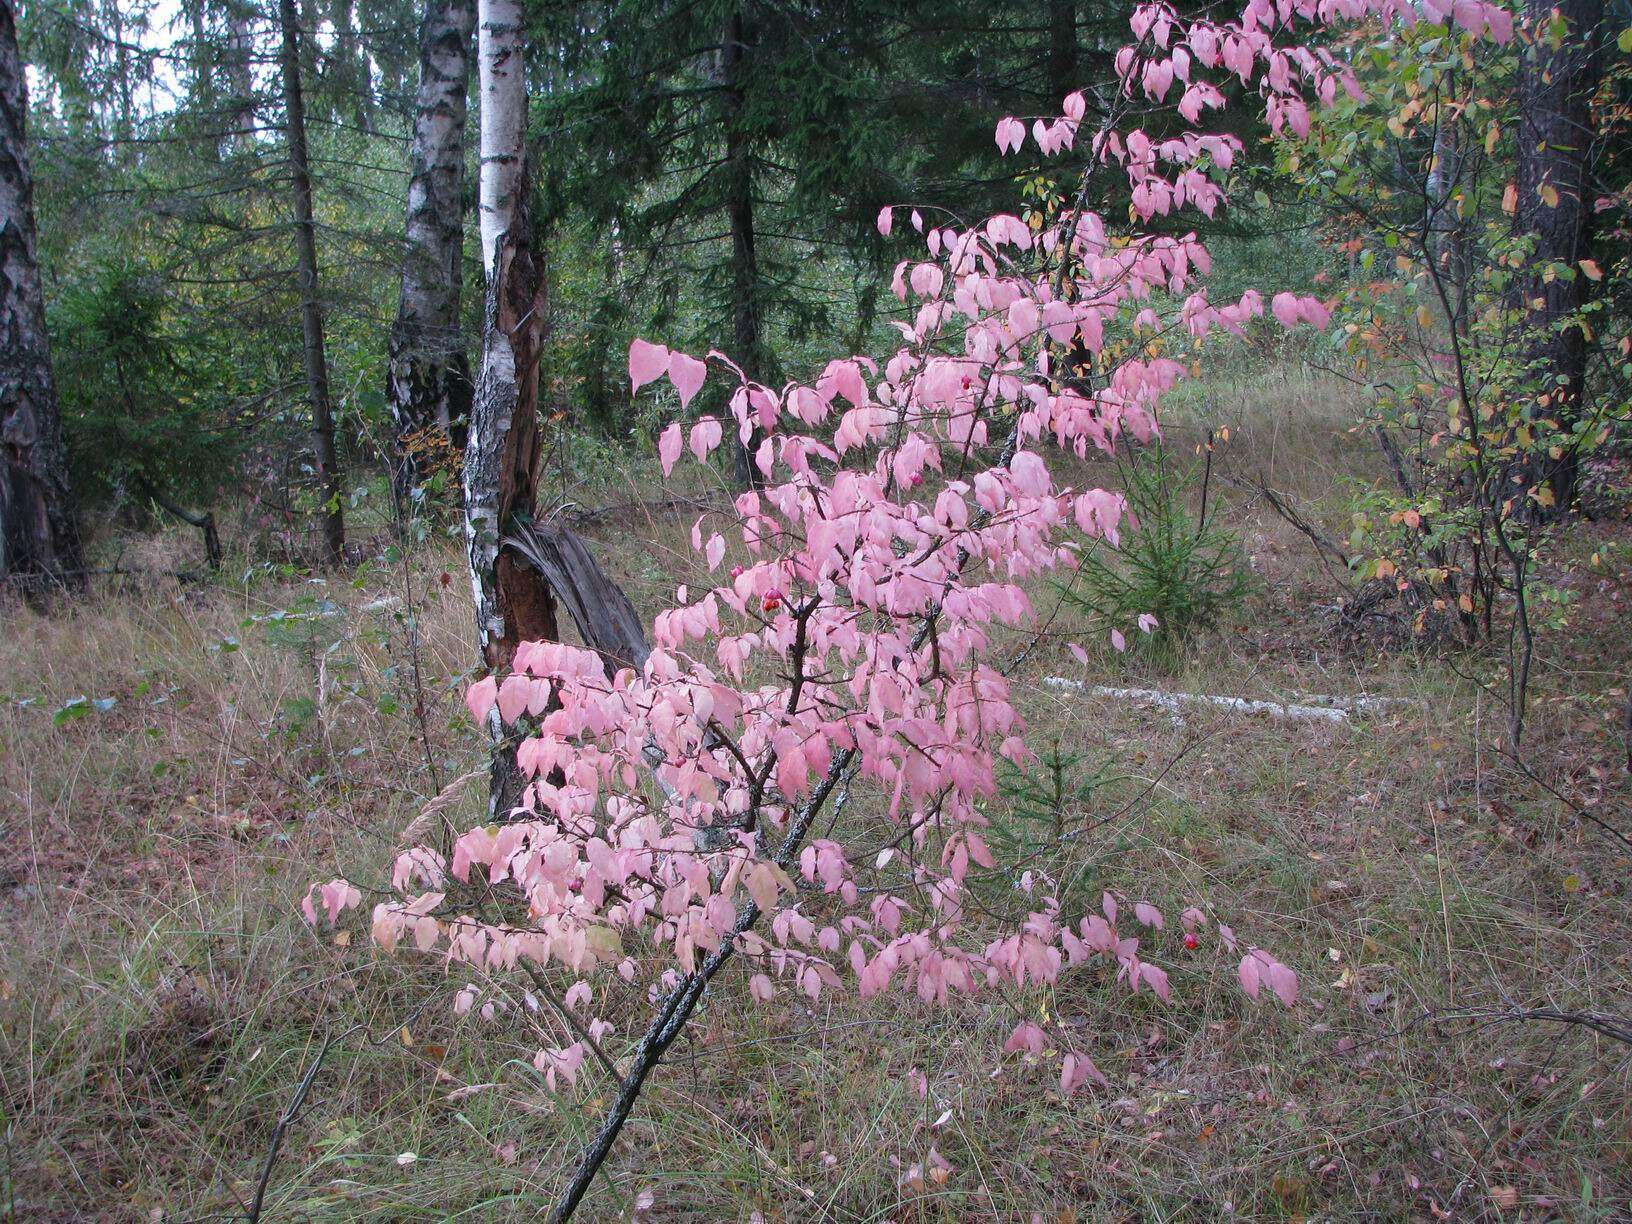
x,y
1170,563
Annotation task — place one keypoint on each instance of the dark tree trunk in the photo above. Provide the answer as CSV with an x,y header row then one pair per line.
x,y
39,544
1062,50
504,456
311,308
1557,80
428,379
749,350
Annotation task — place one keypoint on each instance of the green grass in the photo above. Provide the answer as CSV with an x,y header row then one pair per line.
x,y
160,998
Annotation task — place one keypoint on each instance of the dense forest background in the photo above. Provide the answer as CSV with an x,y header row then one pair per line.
x,y
168,246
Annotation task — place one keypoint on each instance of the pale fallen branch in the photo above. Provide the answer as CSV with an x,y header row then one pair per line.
x,y
1315,706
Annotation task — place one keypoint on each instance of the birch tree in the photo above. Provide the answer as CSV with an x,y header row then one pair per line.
x,y
504,454
428,380
38,541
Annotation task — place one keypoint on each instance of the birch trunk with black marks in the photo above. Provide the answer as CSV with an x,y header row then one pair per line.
x,y
311,308
739,169
428,376
505,452
39,544
1558,76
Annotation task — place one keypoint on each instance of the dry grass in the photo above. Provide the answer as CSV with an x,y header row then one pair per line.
x,y
159,998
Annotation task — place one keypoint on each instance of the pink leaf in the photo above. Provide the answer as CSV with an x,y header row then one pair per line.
x,y
1026,1036
481,697
687,375
513,696
1249,975
669,446
705,436
1283,982
1030,474
1075,1071
646,362
886,218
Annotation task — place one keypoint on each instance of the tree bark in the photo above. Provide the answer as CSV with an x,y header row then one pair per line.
x,y
39,543
504,455
1062,49
311,308
749,352
1447,245
428,377
240,77
1557,80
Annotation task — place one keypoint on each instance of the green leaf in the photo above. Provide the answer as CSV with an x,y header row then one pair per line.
x,y
68,711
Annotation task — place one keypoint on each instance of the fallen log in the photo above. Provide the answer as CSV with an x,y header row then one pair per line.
x,y
1313,707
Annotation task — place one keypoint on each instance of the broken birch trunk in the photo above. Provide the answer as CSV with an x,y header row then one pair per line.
x,y
606,620
504,452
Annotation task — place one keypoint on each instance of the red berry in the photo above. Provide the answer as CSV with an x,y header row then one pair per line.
x,y
1190,940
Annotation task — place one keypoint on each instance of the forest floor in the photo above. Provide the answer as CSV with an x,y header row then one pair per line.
x,y
179,762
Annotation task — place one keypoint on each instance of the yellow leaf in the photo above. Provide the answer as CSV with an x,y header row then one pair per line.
x,y
1543,495
1548,194
1425,317
1466,604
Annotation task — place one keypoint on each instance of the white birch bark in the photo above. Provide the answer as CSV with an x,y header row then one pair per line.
x,y
504,453
428,377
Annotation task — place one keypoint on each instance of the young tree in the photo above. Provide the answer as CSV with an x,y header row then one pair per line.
x,y
504,453
332,511
428,379
848,652
38,538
